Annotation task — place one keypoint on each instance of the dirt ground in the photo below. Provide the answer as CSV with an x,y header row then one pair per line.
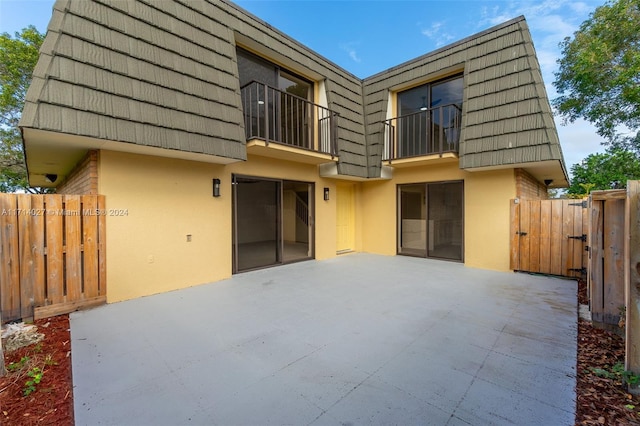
x,y
601,396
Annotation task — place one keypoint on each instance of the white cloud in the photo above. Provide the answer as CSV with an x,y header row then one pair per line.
x,y
508,10
433,30
435,33
580,8
531,11
350,48
548,31
494,16
578,140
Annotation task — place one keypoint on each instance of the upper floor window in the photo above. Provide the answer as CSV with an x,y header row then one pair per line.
x,y
431,95
278,106
253,68
428,120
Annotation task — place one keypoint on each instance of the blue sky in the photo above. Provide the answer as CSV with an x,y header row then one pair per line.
x,y
366,37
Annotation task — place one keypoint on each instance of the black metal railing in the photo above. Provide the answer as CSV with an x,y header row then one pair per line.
x,y
276,116
428,132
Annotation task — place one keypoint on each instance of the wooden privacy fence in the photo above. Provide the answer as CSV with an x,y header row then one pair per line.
x,y
578,239
561,237
605,282
52,254
549,237
614,264
632,278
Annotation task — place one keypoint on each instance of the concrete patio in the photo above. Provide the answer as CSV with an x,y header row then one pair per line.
x,y
358,339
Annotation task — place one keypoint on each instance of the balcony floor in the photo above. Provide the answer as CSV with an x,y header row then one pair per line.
x,y
287,152
423,160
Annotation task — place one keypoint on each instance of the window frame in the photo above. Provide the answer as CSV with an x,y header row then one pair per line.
x,y
429,84
278,71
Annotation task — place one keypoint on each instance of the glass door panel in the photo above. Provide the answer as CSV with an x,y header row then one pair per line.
x,y
273,222
428,115
257,241
295,112
446,104
445,220
412,230
413,127
258,102
431,220
297,221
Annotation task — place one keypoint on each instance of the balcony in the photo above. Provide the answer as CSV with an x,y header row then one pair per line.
x,y
426,133
281,125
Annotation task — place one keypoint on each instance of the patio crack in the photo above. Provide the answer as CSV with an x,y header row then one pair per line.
x,y
475,376
343,396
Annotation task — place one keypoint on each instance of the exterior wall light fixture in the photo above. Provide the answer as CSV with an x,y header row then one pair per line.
x,y
326,194
216,187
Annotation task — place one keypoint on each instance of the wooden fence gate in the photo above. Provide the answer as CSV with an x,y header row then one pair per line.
x,y
549,237
52,254
606,277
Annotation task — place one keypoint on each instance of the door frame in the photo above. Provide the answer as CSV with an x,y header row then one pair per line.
x,y
279,225
426,207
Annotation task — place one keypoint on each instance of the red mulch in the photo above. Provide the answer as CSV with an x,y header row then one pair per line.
x,y
600,400
52,401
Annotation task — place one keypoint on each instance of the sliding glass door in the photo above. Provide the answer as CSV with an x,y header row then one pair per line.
x,y
257,227
431,220
413,220
272,222
429,117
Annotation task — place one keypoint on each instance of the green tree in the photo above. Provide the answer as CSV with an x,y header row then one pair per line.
x,y
599,72
18,57
608,170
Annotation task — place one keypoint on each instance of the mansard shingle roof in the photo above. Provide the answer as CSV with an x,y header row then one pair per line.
x,y
164,74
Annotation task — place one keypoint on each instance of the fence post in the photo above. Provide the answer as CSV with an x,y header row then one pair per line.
x,y
3,369
632,280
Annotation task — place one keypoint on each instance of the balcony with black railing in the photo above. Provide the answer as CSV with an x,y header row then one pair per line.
x,y
275,116
428,132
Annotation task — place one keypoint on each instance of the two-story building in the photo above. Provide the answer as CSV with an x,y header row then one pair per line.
x,y
227,146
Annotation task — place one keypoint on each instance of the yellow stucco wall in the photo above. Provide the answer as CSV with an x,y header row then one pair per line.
x,y
147,250
486,212
487,198
380,203
165,200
